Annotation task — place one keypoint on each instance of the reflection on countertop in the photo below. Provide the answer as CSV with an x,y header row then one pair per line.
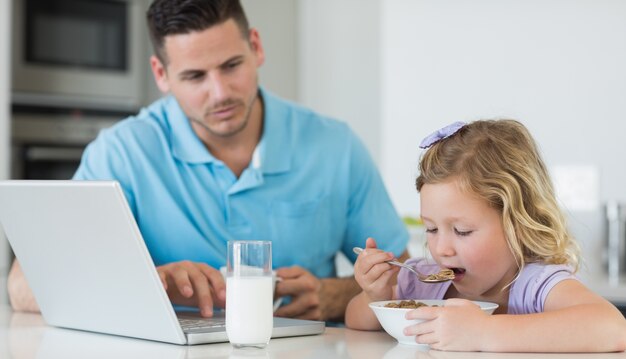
x,y
26,336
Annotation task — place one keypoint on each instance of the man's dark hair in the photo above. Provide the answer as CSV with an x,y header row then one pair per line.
x,y
172,17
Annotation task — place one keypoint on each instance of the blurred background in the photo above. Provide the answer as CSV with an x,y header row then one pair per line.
x,y
395,70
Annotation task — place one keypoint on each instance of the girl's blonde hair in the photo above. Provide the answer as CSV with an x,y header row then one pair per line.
x,y
498,161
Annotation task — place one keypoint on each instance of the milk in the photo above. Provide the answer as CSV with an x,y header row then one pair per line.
x,y
249,312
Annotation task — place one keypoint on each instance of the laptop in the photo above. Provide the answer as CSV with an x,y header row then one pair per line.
x,y
89,268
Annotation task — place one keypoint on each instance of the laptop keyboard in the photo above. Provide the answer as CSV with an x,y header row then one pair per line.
x,y
194,324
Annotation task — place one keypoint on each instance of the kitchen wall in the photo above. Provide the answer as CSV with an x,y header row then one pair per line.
x,y
339,64
410,67
558,66
5,34
276,21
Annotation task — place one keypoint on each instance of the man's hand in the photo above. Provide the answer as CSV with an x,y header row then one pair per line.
x,y
304,289
312,298
20,294
194,284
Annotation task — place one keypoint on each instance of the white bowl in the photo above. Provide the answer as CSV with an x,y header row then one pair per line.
x,y
393,321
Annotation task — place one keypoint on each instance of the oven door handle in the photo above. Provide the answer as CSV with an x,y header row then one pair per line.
x,y
58,154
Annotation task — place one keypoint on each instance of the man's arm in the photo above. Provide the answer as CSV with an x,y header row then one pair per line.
x,y
336,293
187,283
20,294
313,298
318,299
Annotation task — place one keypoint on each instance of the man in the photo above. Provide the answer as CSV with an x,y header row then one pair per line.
x,y
221,158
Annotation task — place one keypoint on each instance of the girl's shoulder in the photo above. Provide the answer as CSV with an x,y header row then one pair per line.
x,y
530,290
535,272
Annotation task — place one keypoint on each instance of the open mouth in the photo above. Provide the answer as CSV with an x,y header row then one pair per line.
x,y
458,271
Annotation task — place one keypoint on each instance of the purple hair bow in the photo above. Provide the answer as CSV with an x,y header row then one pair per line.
x,y
441,134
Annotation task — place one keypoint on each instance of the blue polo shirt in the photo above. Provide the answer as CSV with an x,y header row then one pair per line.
x,y
311,188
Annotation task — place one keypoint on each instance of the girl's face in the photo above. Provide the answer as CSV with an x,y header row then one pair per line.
x,y
466,235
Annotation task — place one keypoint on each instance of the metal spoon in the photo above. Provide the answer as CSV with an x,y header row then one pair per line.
x,y
444,275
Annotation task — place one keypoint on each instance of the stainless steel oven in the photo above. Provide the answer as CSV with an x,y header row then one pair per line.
x,y
48,143
79,53
77,66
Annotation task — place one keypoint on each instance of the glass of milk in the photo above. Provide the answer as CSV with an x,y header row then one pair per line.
x,y
249,294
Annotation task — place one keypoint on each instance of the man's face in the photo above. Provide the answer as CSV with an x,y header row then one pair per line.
x,y
213,75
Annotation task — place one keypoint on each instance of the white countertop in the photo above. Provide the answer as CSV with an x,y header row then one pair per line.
x,y
25,336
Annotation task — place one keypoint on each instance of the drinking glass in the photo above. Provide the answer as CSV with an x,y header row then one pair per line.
x,y
249,307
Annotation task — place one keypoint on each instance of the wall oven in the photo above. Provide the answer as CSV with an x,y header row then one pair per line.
x,y
77,66
79,53
48,143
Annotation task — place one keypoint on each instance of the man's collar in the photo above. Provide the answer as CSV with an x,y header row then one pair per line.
x,y
186,145
273,150
275,147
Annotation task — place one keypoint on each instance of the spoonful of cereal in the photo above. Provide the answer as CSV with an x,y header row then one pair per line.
x,y
443,275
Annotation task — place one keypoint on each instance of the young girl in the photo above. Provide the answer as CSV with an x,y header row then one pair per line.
x,y
491,216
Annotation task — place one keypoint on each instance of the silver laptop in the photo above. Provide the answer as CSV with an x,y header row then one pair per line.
x,y
88,266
